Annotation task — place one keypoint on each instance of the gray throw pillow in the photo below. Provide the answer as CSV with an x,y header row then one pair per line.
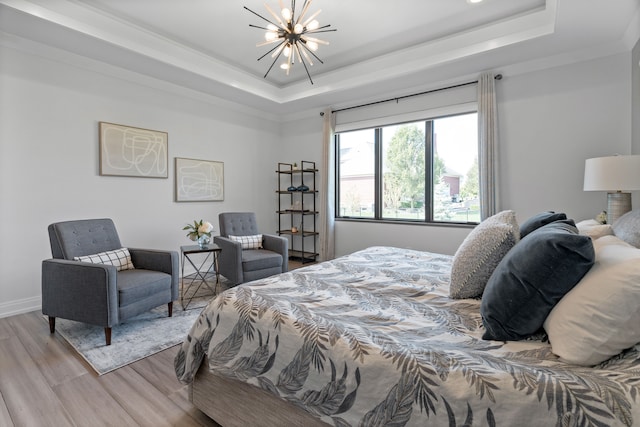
x,y
480,253
540,220
627,228
532,278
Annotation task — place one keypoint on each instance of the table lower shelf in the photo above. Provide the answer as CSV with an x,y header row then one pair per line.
x,y
304,257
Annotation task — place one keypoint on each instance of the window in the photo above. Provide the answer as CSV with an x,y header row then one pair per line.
x,y
423,171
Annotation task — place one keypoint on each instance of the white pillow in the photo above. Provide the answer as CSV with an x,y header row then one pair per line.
x,y
599,317
120,258
593,229
249,242
480,253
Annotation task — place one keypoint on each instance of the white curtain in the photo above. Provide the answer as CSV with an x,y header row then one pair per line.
x,y
488,145
327,188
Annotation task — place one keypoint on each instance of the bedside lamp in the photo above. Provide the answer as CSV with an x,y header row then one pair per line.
x,y
616,175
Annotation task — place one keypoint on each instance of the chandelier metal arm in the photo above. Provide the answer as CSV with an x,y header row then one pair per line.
x,y
305,65
311,52
272,49
320,28
259,16
274,61
316,31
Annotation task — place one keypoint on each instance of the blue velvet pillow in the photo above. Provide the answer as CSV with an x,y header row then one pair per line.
x,y
540,220
529,281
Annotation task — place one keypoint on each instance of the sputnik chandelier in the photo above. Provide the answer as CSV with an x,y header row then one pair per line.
x,y
292,36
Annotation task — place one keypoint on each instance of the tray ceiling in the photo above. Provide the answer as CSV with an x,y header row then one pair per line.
x,y
380,47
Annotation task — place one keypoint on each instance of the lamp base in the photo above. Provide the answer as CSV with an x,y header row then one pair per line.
x,y
618,204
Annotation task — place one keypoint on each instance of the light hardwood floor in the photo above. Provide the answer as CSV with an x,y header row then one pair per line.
x,y
44,382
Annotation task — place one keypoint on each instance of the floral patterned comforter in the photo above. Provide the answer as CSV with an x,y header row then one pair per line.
x,y
373,339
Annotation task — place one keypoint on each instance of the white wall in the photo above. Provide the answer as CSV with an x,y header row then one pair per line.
x,y
550,122
49,113
554,119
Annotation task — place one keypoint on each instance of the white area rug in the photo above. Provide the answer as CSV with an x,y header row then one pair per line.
x,y
135,339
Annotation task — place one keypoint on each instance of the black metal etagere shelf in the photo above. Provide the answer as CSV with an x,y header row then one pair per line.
x,y
297,211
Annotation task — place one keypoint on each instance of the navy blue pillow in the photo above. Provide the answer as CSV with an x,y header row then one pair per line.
x,y
540,220
534,275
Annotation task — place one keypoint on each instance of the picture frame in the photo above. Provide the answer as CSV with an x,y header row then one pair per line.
x,y
132,151
199,180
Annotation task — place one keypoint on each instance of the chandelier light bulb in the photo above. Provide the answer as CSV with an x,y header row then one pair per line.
x,y
313,25
313,46
284,66
270,36
287,51
286,14
298,29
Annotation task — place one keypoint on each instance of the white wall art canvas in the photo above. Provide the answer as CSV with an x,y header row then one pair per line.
x,y
199,180
132,151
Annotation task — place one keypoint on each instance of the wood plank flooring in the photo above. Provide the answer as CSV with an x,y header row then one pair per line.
x,y
44,382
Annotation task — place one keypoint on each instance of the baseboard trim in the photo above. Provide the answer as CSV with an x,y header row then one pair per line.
x,y
11,308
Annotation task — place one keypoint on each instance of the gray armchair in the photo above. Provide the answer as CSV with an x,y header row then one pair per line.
x,y
240,266
98,294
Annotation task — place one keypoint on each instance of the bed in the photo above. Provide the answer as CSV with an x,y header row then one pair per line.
x,y
375,338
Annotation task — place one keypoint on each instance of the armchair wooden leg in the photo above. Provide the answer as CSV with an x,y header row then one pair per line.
x,y
171,309
107,335
52,324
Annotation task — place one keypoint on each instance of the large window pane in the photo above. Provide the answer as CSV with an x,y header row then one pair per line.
x,y
455,172
403,171
357,173
420,171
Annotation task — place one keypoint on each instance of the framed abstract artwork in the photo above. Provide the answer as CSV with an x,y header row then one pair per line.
x,y
132,151
199,180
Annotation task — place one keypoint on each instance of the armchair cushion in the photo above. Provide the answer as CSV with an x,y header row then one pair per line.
x,y
141,290
120,258
248,242
260,259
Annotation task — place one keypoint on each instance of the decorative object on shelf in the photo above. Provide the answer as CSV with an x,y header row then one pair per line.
x,y
295,166
617,175
199,232
294,229
131,151
292,188
292,33
303,188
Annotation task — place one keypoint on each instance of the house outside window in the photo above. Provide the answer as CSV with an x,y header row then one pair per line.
x,y
420,171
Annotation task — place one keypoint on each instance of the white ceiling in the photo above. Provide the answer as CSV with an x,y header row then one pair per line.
x,y
379,48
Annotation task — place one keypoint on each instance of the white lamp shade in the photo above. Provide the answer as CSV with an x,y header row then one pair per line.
x,y
613,173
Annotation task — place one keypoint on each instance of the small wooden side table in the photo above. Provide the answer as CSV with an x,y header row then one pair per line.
x,y
203,270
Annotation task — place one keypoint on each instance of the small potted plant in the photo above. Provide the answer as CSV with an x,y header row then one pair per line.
x,y
199,231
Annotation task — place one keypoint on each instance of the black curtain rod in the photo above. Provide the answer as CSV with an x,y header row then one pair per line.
x,y
497,77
